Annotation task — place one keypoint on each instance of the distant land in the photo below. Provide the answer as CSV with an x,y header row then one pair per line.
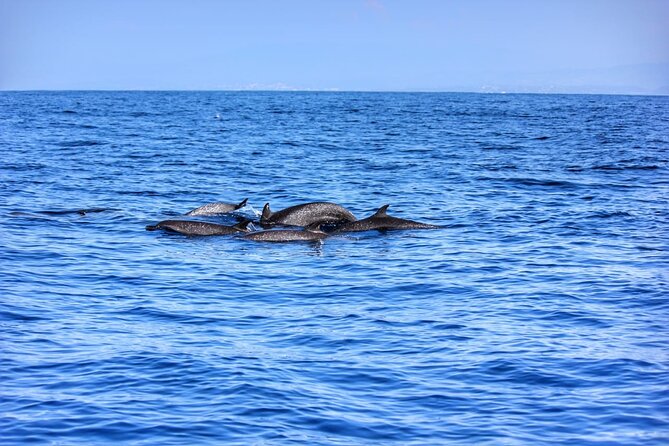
x,y
646,79
640,79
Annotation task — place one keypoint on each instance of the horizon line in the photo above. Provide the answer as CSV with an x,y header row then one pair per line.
x,y
250,90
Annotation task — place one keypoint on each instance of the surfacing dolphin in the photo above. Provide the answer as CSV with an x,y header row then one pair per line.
x,y
74,211
382,221
217,208
187,227
306,214
310,233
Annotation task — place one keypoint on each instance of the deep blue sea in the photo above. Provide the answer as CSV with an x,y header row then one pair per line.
x,y
538,314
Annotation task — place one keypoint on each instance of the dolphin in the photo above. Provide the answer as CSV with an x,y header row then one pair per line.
x,y
217,208
187,227
312,232
306,214
382,221
74,211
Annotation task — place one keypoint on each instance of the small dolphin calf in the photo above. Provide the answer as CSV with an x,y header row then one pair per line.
x,y
382,221
199,227
306,214
217,208
311,233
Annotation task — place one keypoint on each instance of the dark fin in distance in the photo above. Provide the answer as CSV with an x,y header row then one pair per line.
x,y
241,204
243,226
91,210
382,211
75,211
315,227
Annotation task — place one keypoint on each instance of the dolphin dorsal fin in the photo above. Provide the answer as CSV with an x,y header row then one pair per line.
x,y
382,211
241,204
242,226
314,227
266,213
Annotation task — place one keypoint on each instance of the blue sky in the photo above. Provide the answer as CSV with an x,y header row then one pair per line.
x,y
590,46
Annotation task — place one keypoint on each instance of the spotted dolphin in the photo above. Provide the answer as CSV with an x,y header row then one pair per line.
x,y
217,208
306,214
187,227
312,232
382,221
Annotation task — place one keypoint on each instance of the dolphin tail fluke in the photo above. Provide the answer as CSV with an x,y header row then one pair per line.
x,y
241,204
382,211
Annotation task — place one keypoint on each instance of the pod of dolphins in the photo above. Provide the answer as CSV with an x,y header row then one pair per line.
x,y
318,220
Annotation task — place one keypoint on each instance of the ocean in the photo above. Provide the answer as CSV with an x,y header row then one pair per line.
x,y
536,315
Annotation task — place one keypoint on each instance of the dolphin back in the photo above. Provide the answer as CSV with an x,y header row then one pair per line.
x,y
188,227
285,235
216,208
381,221
308,213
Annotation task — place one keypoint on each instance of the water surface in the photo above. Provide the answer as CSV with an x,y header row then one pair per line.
x,y
536,316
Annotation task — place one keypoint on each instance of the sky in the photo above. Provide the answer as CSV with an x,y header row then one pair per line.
x,y
561,46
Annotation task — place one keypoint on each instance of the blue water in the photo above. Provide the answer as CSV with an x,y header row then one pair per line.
x,y
536,316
